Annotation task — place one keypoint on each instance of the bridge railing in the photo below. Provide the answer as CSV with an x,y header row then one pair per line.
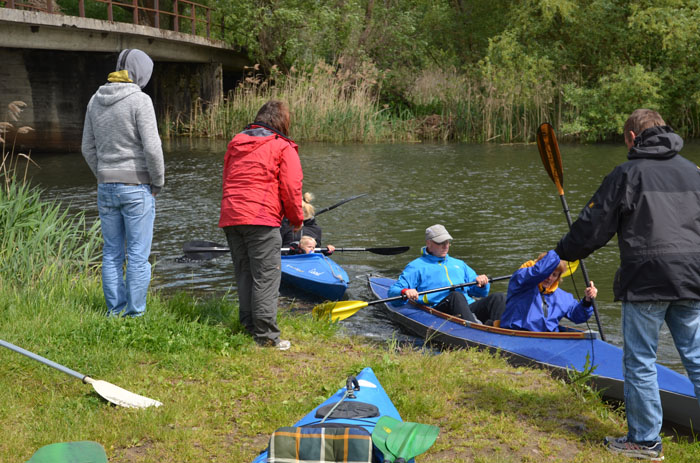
x,y
161,14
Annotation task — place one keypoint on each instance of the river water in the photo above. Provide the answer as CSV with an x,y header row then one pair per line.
x,y
497,201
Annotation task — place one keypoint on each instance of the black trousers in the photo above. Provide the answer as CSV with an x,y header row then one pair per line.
x,y
485,310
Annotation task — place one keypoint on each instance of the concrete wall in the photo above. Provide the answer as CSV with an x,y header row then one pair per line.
x,y
54,63
57,86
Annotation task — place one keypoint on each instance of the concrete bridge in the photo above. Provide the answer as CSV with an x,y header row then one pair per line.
x,y
54,63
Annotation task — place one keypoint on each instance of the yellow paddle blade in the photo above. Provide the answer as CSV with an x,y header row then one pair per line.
x,y
551,157
570,269
338,310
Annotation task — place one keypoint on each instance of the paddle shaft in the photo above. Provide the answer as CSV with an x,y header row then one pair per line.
x,y
326,209
584,271
551,158
43,360
216,249
435,290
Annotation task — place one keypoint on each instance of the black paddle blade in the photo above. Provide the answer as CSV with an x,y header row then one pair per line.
x,y
551,157
204,250
390,251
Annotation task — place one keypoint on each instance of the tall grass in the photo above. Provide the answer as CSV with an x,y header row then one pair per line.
x,y
38,240
327,103
331,104
472,107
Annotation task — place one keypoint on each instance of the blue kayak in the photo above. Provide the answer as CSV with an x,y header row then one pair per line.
x,y
560,351
370,392
316,274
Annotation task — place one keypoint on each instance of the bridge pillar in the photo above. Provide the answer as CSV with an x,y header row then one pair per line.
x,y
178,87
57,86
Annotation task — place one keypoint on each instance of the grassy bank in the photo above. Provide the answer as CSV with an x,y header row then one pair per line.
x,y
223,396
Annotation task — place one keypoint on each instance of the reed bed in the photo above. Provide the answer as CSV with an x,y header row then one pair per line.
x,y
327,104
39,241
330,104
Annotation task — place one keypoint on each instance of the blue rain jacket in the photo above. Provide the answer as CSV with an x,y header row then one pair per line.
x,y
525,309
430,272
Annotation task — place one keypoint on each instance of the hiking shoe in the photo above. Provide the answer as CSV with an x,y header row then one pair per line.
x,y
283,344
646,451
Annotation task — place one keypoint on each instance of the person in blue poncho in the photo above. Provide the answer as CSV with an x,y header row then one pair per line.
x,y
536,303
436,269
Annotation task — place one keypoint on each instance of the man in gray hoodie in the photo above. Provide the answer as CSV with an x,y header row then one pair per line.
x,y
123,149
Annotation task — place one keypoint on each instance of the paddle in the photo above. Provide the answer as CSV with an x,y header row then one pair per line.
x,y
551,158
205,250
400,441
70,452
385,425
107,391
326,209
340,310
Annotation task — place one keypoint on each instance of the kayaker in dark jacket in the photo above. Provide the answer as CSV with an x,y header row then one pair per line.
x,y
536,303
652,202
309,227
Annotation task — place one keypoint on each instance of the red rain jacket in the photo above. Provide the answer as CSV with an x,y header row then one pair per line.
x,y
262,180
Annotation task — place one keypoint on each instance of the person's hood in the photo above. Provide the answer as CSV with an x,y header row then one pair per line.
x,y
133,66
253,137
659,142
111,93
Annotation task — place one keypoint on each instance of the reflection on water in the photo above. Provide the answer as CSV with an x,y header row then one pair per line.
x,y
497,201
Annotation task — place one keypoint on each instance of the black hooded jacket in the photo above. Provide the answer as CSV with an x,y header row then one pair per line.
x,y
652,202
310,228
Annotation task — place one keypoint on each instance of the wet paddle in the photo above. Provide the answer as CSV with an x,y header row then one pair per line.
x,y
206,250
340,310
551,158
401,441
70,452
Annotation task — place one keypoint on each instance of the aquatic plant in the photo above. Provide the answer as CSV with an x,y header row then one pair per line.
x,y
328,103
8,142
39,240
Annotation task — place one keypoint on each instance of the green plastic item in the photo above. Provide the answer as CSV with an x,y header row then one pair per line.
x,y
70,452
411,439
384,427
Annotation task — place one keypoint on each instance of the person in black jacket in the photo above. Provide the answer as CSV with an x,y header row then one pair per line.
x,y
652,202
309,227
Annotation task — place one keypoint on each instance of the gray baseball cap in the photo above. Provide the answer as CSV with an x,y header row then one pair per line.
x,y
437,233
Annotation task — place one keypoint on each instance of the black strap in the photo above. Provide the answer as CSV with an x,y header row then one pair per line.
x,y
122,59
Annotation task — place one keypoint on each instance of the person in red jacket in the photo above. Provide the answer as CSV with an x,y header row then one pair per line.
x,y
262,184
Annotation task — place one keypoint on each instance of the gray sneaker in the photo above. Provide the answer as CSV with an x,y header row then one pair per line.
x,y
283,344
645,451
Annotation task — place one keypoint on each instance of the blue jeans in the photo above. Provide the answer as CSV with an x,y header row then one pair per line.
x,y
127,213
641,322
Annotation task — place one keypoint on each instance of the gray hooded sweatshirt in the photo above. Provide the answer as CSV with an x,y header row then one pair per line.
x,y
120,138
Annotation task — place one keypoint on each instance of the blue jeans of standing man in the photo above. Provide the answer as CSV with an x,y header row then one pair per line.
x,y
641,322
127,213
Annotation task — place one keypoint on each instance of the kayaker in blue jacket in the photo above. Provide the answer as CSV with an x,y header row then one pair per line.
x,y
436,269
536,303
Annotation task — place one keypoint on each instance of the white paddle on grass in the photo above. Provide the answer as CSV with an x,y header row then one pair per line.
x,y
107,391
